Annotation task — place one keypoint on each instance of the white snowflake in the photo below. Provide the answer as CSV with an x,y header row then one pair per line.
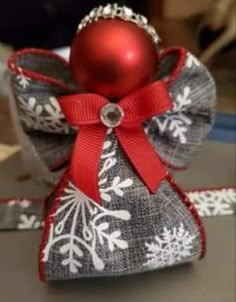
x,y
171,247
192,61
77,208
183,100
48,117
175,121
23,81
29,222
214,202
117,185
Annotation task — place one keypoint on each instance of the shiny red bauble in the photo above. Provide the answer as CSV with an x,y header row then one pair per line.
x,y
113,57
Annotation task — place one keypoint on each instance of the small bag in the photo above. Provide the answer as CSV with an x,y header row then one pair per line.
x,y
118,222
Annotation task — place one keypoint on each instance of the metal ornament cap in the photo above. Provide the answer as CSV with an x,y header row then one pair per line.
x,y
113,11
111,115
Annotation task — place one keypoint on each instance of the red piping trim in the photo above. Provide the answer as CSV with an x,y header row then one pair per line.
x,y
180,64
59,162
190,206
12,65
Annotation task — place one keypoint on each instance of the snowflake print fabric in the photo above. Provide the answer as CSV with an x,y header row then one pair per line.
x,y
94,231
170,248
176,122
23,80
178,134
39,123
84,239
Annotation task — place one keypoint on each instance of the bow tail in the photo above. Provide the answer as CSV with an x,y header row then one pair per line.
x,y
142,155
86,159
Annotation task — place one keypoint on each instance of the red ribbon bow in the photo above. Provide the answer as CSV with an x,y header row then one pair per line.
x,y
87,111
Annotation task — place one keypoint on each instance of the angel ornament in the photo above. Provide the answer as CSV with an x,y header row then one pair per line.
x,y
106,126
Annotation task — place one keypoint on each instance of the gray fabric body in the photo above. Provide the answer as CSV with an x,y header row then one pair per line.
x,y
146,216
27,213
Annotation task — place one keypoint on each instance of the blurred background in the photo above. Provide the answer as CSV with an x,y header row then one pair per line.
x,y
205,27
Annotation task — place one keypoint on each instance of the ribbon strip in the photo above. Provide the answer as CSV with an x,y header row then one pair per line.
x,y
27,213
84,111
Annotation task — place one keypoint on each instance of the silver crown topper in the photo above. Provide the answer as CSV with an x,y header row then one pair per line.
x,y
112,11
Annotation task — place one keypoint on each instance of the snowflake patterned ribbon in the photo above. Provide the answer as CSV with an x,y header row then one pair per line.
x,y
208,202
214,202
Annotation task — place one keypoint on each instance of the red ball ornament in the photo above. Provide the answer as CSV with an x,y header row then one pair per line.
x,y
113,57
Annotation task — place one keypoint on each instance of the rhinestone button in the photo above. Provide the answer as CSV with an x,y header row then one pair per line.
x,y
111,115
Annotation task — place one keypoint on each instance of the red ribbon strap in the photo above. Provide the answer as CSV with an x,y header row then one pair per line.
x,y
84,110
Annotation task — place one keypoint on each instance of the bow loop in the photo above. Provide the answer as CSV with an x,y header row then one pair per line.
x,y
151,100
82,109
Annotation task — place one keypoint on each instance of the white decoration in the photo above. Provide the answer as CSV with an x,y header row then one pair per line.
x,y
183,100
175,121
171,247
23,81
117,186
78,209
29,222
48,117
192,61
214,202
